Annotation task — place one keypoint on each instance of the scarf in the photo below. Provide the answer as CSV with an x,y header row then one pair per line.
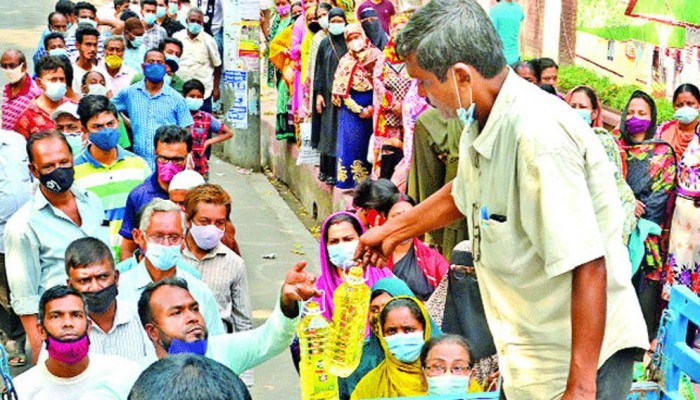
x,y
353,70
373,29
671,133
306,48
431,263
393,378
329,279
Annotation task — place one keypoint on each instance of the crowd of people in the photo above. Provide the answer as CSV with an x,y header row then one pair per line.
x,y
564,238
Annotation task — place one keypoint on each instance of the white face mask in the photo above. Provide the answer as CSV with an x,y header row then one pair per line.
x,y
356,45
97,89
13,75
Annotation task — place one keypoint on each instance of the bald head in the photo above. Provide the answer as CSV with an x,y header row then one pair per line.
x,y
14,55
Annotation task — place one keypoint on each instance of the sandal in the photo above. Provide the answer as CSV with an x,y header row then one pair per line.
x,y
15,355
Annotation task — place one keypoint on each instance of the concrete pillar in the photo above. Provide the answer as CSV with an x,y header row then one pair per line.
x,y
551,29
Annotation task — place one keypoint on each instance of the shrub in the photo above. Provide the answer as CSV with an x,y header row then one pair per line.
x,y
612,95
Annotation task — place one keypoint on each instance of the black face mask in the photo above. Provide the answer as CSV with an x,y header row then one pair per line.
x,y
98,302
59,180
314,27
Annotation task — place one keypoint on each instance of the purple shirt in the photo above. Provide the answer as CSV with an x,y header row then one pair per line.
x,y
139,197
385,10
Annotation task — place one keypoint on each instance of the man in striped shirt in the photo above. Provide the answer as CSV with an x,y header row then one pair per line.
x,y
105,168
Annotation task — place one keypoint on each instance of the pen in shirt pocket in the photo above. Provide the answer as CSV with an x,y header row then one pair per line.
x,y
495,217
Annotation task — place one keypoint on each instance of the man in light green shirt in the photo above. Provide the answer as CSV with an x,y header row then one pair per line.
x,y
543,213
171,318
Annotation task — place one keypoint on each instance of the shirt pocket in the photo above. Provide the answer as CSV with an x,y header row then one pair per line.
x,y
497,246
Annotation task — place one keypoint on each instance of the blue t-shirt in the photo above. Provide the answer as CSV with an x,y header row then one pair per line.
x,y
506,18
139,197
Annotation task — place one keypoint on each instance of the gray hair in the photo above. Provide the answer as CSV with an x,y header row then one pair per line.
x,y
115,38
194,10
160,205
445,32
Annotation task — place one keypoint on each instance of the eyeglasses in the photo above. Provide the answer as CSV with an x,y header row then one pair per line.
x,y
168,240
441,369
171,160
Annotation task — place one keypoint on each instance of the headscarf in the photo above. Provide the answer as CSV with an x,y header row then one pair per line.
x,y
353,70
373,29
306,47
598,121
372,351
390,49
348,7
329,279
279,54
393,378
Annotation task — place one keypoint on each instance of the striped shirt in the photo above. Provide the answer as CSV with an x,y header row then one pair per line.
x,y
112,184
154,36
225,274
148,113
12,107
126,338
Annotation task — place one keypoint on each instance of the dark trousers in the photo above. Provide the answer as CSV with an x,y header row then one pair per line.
x,y
614,378
9,321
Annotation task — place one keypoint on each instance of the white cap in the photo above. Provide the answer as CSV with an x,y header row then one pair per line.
x,y
66,108
186,180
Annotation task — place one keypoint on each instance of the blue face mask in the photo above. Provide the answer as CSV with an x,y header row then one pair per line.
x,y
198,347
336,28
194,104
167,80
57,52
154,72
87,21
405,347
105,139
161,11
447,384
137,41
585,114
686,115
163,257
194,28
341,254
465,116
149,18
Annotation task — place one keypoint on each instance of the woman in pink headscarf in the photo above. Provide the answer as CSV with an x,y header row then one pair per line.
x,y
339,236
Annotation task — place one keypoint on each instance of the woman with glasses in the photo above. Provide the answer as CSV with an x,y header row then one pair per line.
x,y
447,364
403,329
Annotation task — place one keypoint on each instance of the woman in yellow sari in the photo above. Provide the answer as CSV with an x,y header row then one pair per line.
x,y
402,333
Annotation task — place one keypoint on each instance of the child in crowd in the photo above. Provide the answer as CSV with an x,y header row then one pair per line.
x,y
206,130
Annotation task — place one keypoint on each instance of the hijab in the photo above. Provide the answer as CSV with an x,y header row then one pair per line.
x,y
355,69
393,378
373,29
329,279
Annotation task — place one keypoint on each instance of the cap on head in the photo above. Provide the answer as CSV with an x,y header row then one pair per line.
x,y
186,180
66,108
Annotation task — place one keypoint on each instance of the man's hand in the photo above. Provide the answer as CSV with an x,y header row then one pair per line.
x,y
580,393
320,103
298,286
374,248
216,94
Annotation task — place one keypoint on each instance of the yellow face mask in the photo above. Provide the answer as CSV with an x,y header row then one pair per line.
x,y
113,61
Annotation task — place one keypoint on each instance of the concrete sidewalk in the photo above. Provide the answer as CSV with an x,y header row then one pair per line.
x,y
264,225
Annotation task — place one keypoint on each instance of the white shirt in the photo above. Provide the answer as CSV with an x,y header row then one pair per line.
x,y
116,373
127,338
119,81
199,58
540,167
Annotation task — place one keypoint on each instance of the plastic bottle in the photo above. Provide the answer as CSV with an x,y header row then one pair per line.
x,y
349,325
316,382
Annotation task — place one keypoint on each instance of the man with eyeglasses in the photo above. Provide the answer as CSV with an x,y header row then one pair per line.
x,y
172,145
105,168
151,104
37,235
160,235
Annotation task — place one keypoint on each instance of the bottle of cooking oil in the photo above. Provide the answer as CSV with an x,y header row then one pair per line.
x,y
316,382
351,300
